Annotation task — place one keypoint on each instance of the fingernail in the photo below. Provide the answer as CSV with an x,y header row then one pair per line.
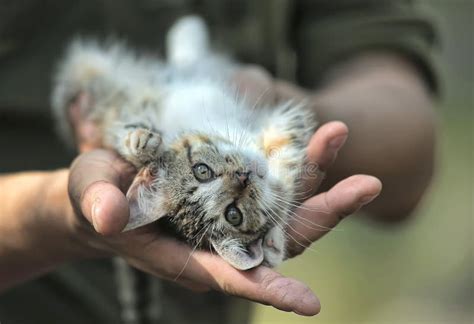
x,y
366,199
337,142
311,305
95,212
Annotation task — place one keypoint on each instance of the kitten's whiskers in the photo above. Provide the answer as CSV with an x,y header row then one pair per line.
x,y
276,217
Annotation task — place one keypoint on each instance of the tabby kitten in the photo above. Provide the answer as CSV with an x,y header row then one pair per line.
x,y
223,174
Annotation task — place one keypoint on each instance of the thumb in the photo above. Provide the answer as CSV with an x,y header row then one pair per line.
x,y
105,207
96,181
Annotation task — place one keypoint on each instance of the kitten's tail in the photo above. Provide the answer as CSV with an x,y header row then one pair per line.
x,y
187,42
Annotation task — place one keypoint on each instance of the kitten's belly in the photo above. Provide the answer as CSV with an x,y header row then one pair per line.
x,y
201,106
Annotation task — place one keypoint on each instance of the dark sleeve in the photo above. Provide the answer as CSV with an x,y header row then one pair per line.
x,y
327,32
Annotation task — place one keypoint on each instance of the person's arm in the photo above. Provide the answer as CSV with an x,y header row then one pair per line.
x,y
35,226
39,229
390,113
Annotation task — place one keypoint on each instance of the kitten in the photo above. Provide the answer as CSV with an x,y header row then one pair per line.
x,y
222,173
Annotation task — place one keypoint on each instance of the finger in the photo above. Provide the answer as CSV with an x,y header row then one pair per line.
x,y
321,152
261,284
106,207
255,84
86,132
94,188
87,136
326,142
323,212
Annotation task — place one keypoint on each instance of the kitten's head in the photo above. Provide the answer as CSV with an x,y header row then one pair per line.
x,y
215,195
220,195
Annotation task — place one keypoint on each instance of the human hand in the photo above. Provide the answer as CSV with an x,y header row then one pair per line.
x,y
98,180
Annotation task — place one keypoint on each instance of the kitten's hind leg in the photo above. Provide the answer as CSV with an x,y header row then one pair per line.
x,y
274,247
138,144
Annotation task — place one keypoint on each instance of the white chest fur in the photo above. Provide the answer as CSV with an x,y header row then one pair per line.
x,y
205,106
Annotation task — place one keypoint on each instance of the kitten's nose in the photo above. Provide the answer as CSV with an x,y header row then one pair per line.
x,y
243,178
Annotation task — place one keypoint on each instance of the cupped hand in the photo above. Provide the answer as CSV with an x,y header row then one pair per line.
x,y
99,178
97,182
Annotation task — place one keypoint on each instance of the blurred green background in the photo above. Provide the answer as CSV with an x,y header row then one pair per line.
x,y
420,271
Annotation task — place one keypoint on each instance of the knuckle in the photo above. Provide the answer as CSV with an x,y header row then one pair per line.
x,y
276,286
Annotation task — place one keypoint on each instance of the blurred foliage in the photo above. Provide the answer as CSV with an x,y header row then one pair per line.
x,y
422,270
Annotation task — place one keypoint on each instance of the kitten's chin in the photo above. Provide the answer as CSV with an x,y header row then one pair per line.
x,y
239,258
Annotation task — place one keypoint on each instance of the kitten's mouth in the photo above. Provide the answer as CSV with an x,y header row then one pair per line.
x,y
242,259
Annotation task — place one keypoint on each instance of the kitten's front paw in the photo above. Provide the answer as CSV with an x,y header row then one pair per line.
x,y
274,247
141,145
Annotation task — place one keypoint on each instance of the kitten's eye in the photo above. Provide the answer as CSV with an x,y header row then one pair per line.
x,y
233,215
202,172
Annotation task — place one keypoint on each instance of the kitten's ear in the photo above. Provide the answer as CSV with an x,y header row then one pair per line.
x,y
138,200
242,259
